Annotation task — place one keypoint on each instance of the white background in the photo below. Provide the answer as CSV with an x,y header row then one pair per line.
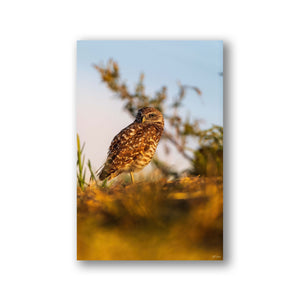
x,y
37,123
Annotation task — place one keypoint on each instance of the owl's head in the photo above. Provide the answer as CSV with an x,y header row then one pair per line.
x,y
150,115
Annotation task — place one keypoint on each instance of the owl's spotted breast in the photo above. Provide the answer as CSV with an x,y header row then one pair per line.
x,y
133,148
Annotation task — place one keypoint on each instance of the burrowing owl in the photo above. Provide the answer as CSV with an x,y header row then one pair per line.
x,y
133,148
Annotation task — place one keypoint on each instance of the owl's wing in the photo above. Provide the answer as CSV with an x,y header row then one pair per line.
x,y
124,148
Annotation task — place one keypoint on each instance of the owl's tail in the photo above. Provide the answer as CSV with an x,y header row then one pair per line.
x,y
101,173
104,172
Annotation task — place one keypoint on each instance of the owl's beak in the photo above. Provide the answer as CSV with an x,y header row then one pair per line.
x,y
143,119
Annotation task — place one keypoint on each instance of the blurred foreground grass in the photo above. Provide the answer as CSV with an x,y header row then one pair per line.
x,y
177,220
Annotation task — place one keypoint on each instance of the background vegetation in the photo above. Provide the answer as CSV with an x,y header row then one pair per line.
x,y
169,216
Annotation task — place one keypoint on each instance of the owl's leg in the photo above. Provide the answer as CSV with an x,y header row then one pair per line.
x,y
132,178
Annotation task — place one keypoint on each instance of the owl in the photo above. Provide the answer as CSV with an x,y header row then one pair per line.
x,y
134,146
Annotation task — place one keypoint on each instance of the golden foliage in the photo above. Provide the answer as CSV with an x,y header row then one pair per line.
x,y
178,220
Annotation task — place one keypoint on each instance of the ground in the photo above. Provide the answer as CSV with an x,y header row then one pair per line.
x,y
164,220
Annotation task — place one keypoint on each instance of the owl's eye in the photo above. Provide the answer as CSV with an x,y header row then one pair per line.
x,y
152,115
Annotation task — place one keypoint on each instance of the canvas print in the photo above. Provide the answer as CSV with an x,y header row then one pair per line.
x,y
149,168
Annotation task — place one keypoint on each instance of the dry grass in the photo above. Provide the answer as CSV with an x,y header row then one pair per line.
x,y
179,220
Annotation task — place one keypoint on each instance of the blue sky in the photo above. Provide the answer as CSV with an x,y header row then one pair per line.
x,y
99,114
